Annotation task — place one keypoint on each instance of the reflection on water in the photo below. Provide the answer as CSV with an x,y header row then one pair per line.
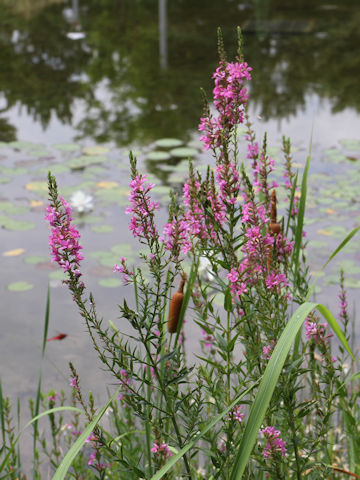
x,y
108,79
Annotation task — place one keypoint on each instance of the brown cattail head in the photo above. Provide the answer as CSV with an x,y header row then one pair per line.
x,y
274,228
175,307
273,213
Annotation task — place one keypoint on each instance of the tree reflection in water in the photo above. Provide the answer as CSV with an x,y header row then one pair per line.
x,y
114,71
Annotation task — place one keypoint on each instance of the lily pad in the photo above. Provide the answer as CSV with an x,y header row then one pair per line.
x,y
80,163
54,169
183,152
15,225
58,275
350,143
9,207
95,150
35,259
67,147
107,185
110,282
158,156
5,179
37,186
14,253
168,143
115,195
122,250
13,171
20,286
102,228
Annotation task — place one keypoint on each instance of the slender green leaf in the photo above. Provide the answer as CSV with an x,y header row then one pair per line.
x,y
75,449
43,414
300,217
2,419
38,391
197,437
270,378
291,203
342,245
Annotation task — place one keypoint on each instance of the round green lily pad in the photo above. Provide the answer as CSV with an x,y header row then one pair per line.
x,y
20,286
158,156
183,152
5,179
110,282
16,225
9,207
55,169
102,228
35,259
67,147
122,249
13,171
58,275
85,160
168,143
95,150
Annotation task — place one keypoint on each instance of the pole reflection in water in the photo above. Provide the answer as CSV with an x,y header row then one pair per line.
x,y
162,34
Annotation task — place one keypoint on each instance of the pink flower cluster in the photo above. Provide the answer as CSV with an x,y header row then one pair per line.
x,y
236,414
316,331
63,239
228,180
176,237
162,450
230,97
275,444
123,269
267,351
142,209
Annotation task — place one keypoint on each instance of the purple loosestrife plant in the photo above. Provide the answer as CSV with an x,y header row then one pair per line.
x,y
227,220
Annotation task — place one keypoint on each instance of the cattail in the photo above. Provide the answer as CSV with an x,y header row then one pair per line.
x,y
175,307
274,227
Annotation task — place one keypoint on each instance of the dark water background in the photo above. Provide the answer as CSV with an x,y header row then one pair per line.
x,y
127,81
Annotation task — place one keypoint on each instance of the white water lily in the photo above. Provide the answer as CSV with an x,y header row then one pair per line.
x,y
82,202
205,269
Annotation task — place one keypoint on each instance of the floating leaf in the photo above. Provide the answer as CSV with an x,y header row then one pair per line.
x,y
183,152
95,150
36,203
58,275
35,259
5,179
14,253
168,143
67,147
122,250
107,185
37,186
20,286
158,156
110,282
9,207
16,225
55,169
102,228
323,231
13,171
81,162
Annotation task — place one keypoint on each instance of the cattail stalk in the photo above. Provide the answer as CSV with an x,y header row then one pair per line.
x,y
175,307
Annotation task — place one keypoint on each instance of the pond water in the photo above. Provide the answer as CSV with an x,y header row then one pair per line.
x,y
83,81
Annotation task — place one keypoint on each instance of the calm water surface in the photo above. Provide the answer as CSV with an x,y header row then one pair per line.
x,y
86,73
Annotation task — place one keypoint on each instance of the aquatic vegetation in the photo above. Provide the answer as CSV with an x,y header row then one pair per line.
x,y
268,393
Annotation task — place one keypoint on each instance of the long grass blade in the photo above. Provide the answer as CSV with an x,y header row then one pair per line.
x,y
342,245
197,437
270,378
77,446
35,419
38,391
300,218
